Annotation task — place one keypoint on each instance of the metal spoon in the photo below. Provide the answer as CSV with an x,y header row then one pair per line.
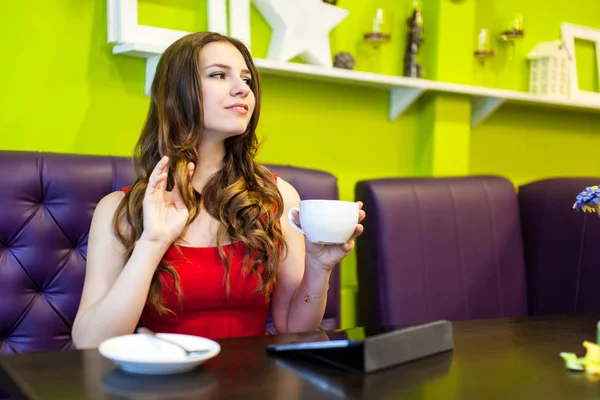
x,y
148,332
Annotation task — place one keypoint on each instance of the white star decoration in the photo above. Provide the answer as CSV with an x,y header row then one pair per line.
x,y
301,28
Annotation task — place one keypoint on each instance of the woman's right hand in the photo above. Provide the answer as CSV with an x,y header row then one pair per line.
x,y
165,215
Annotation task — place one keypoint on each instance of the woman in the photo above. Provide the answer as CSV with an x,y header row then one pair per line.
x,y
196,245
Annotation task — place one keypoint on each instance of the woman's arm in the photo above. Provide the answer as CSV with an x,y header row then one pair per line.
x,y
300,295
114,292
296,277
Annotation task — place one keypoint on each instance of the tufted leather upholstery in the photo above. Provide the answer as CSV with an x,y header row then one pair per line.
x,y
46,205
561,247
439,248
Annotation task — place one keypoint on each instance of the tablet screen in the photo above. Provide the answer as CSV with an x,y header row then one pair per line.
x,y
335,339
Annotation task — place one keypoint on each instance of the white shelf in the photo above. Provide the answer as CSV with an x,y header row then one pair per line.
x,y
403,91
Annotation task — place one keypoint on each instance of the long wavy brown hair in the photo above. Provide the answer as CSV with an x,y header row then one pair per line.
x,y
242,196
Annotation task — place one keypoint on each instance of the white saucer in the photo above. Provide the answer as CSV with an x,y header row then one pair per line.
x,y
142,354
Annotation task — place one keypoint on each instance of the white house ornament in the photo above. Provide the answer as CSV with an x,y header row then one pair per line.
x,y
301,28
549,69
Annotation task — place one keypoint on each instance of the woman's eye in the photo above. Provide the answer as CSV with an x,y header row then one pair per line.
x,y
219,75
248,81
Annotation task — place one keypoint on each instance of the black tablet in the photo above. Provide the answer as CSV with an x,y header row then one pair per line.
x,y
368,349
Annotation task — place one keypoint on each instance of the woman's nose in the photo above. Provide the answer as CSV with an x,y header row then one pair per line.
x,y
240,88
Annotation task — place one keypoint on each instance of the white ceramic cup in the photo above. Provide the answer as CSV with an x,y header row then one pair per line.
x,y
326,221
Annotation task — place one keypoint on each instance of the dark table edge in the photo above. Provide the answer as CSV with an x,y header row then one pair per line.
x,y
16,393
13,390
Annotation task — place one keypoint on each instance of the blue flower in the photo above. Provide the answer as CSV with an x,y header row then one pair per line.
x,y
588,199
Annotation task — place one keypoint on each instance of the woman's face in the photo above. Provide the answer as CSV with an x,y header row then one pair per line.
x,y
227,100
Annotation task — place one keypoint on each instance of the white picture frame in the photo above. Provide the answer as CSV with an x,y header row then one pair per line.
x,y
570,32
123,28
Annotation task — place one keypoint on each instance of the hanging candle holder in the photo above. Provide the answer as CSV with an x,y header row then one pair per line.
x,y
376,34
514,31
483,48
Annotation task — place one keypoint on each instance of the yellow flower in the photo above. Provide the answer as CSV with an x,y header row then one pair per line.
x,y
593,352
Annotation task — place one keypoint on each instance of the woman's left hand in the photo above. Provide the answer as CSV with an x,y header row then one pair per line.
x,y
327,256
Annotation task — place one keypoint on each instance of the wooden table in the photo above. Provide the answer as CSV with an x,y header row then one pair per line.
x,y
492,359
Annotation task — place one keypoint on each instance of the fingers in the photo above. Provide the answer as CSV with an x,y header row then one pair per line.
x,y
296,217
159,174
175,195
348,246
361,215
161,181
358,231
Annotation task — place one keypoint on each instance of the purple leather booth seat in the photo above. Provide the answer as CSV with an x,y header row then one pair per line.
x,y
439,248
562,247
46,206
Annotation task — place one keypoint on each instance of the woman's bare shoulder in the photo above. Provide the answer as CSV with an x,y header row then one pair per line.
x,y
107,207
109,203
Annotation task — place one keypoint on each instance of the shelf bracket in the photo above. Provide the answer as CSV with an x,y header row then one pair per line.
x,y
151,64
401,99
483,107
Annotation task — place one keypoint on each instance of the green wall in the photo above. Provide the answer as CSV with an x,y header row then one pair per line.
x,y
529,143
64,91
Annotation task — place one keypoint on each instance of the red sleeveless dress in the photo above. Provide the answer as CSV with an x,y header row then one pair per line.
x,y
206,310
